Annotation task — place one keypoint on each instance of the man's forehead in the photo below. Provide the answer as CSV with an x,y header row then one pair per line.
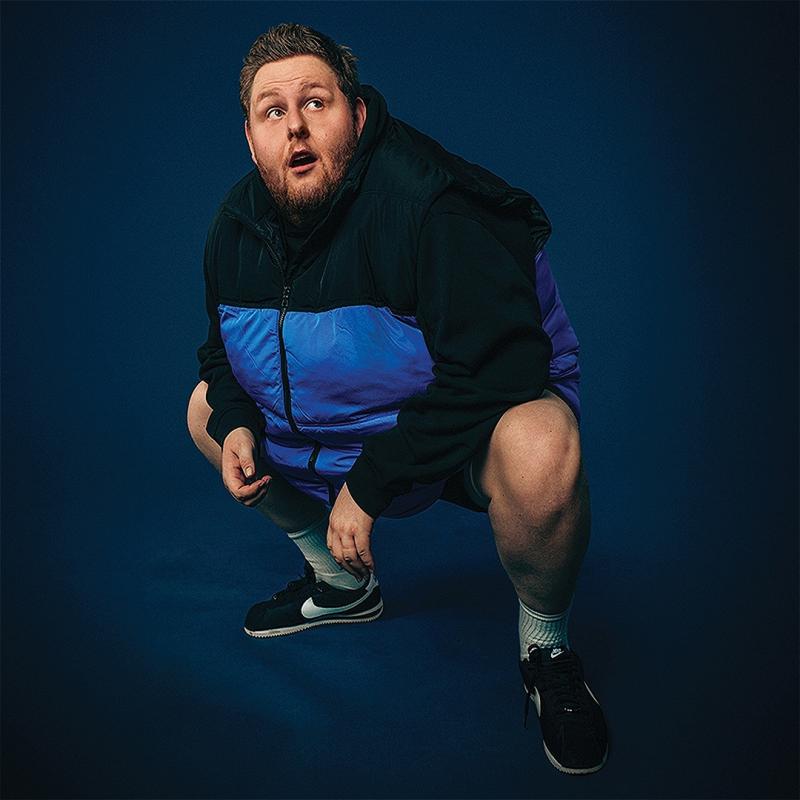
x,y
293,74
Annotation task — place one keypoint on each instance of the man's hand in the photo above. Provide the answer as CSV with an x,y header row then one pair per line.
x,y
239,468
349,529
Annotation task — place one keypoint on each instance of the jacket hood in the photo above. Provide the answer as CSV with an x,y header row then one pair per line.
x,y
251,203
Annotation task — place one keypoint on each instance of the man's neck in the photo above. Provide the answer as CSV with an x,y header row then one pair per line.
x,y
300,221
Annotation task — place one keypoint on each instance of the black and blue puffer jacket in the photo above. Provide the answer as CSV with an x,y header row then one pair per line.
x,y
419,309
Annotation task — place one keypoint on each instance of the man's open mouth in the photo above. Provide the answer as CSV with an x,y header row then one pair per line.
x,y
302,158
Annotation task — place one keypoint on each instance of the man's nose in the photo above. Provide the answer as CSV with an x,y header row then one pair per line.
x,y
296,125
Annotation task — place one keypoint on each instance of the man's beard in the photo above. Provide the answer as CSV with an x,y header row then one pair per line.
x,y
299,204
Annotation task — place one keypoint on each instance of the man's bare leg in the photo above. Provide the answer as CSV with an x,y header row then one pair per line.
x,y
197,415
539,509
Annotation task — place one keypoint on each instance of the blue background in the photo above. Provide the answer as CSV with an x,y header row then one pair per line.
x,y
662,141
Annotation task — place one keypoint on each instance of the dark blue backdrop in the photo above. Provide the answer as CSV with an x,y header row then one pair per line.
x,y
662,141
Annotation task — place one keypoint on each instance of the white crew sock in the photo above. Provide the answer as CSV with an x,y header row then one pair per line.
x,y
312,541
304,519
544,630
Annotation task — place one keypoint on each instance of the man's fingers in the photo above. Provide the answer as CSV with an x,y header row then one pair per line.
x,y
254,501
352,561
344,553
239,468
334,545
357,570
363,550
247,464
246,492
243,453
232,475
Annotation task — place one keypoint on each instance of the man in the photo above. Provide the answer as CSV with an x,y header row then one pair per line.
x,y
376,343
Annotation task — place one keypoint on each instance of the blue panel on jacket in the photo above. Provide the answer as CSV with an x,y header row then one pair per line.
x,y
350,369
250,336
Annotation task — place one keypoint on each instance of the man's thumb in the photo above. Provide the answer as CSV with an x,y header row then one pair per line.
x,y
246,462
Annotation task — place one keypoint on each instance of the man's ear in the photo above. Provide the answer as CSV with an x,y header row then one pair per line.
x,y
360,114
249,138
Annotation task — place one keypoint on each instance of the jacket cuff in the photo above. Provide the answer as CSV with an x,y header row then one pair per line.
x,y
221,423
363,485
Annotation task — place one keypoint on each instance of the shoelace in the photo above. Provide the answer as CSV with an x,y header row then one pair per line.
x,y
563,680
293,586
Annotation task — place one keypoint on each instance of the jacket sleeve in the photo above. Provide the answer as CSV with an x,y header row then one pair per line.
x,y
231,406
478,311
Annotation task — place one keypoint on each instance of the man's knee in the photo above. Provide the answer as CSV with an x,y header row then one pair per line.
x,y
535,448
197,414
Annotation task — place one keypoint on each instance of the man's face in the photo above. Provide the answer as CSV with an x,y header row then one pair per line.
x,y
301,131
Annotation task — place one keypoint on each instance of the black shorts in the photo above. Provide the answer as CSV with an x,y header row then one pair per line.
x,y
464,489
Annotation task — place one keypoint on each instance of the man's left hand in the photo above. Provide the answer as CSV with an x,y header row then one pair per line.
x,y
349,529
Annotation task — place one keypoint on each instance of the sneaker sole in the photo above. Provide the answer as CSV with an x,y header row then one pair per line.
x,y
365,616
550,757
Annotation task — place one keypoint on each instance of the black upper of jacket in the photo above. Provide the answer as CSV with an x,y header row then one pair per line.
x,y
425,233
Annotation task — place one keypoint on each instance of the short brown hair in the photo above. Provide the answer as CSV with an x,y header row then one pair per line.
x,y
291,39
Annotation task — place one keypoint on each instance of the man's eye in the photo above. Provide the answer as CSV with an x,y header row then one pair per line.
x,y
274,113
315,100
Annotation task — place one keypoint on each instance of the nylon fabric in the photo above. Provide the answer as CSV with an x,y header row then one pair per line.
x,y
390,388
564,371
250,336
351,368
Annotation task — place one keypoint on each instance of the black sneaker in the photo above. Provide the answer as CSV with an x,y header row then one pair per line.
x,y
573,728
307,602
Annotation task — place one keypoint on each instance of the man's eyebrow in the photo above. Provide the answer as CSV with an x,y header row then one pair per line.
x,y
304,87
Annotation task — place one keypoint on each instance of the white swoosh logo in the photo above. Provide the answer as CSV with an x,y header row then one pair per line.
x,y
310,609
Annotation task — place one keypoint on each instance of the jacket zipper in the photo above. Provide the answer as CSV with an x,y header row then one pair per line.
x,y
279,258
287,402
312,466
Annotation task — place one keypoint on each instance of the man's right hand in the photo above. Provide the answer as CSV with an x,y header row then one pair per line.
x,y
239,468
